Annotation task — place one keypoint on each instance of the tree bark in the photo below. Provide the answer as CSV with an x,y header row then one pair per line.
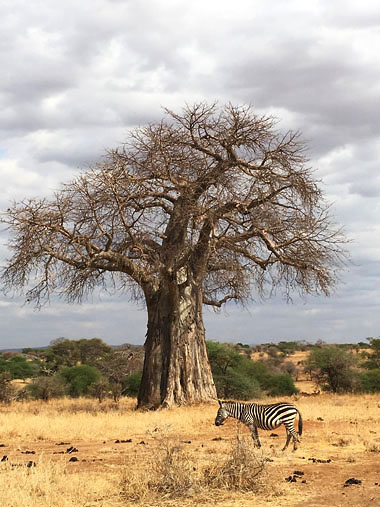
x,y
176,366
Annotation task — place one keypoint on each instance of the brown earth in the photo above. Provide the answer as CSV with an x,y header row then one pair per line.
x,y
341,433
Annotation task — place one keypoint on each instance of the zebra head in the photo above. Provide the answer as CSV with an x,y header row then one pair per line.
x,y
222,414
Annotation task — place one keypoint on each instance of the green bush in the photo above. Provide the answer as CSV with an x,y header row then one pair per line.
x,y
280,385
19,367
370,381
237,376
80,378
235,384
131,384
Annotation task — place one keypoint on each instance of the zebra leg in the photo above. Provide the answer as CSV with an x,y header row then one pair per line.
x,y
291,432
288,437
255,436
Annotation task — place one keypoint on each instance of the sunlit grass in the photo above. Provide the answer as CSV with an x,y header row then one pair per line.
x,y
344,428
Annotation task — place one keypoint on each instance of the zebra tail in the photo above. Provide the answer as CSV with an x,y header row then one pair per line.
x,y
299,422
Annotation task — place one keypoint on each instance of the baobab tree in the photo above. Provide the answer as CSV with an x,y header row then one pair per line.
x,y
207,206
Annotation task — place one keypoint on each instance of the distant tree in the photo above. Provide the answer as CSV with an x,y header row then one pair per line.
x,y
92,351
272,351
99,389
7,390
205,208
19,367
46,388
117,391
332,367
373,357
288,347
370,381
222,356
132,384
235,384
80,378
289,367
64,352
280,385
118,364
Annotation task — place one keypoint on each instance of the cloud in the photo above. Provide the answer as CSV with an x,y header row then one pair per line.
x,y
77,76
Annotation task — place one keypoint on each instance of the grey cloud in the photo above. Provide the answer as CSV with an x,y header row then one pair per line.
x,y
77,76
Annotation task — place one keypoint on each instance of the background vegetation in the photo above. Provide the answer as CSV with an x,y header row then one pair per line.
x,y
91,368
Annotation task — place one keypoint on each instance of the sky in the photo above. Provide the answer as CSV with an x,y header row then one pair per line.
x,y
77,76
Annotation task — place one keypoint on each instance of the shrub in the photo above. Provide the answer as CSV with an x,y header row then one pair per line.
x,y
242,469
132,384
280,385
172,473
45,388
237,384
370,381
7,391
331,367
19,367
100,389
80,378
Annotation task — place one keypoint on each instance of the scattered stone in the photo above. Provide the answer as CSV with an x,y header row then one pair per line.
x,y
59,452
31,464
28,452
291,478
187,441
2,445
320,419
352,481
70,450
4,458
216,439
315,460
63,443
123,441
273,435
142,442
73,458
298,472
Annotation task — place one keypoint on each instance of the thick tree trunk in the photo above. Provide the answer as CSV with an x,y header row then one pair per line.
x,y
176,367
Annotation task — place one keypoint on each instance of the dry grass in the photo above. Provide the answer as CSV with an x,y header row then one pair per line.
x,y
173,459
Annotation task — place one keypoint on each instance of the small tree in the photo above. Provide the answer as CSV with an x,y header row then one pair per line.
x,y
370,381
80,378
7,391
280,385
19,367
132,384
331,367
100,389
46,388
373,358
92,351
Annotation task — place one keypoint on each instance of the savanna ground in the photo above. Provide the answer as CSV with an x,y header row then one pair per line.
x,y
179,457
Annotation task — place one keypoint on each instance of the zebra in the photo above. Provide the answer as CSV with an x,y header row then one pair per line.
x,y
265,417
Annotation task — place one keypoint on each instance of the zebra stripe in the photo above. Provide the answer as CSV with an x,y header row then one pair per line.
x,y
265,417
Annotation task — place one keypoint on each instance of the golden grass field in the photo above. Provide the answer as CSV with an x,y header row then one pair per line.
x,y
172,458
